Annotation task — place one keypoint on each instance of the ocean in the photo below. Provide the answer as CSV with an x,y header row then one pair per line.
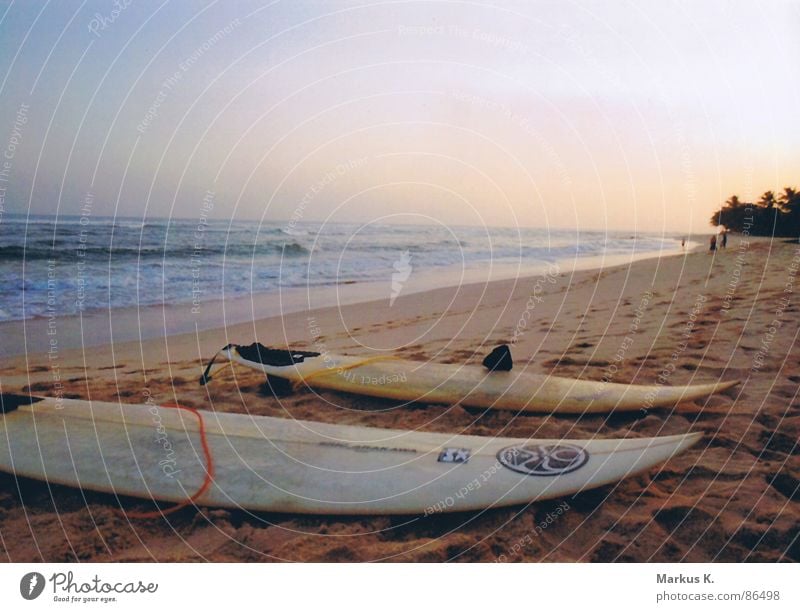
x,y
66,265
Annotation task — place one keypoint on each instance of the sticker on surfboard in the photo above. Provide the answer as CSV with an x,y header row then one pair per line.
x,y
454,455
543,460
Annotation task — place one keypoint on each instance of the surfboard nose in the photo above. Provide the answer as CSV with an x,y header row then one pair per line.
x,y
686,441
730,384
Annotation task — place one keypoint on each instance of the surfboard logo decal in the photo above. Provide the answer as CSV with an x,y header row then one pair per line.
x,y
543,459
454,455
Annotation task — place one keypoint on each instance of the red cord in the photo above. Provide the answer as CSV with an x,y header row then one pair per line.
x,y
209,477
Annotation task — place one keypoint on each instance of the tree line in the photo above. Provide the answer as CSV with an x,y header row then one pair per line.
x,y
771,216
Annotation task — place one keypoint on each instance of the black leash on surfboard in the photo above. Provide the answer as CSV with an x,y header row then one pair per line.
x,y
207,374
258,353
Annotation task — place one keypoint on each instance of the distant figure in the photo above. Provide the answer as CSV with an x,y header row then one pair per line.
x,y
724,239
683,243
713,246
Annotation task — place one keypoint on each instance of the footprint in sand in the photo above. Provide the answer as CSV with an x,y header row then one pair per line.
x,y
778,445
37,387
785,484
785,392
568,361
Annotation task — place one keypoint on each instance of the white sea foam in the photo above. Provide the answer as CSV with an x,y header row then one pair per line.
x,y
127,261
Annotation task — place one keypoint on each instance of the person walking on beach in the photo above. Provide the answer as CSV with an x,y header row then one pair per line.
x,y
724,239
713,245
683,243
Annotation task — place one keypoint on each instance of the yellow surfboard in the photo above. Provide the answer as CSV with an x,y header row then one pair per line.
x,y
468,385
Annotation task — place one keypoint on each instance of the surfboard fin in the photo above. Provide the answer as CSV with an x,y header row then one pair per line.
x,y
499,360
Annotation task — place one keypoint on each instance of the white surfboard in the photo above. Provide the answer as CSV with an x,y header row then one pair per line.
x,y
468,385
282,465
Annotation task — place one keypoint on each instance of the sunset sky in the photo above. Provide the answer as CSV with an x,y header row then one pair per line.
x,y
595,115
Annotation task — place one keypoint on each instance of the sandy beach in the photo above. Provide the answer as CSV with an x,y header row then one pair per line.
x,y
689,318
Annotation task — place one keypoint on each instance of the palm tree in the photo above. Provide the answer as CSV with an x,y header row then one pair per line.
x,y
767,215
771,216
733,202
789,199
790,202
768,200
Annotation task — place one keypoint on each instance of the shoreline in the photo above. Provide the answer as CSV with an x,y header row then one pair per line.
x,y
140,323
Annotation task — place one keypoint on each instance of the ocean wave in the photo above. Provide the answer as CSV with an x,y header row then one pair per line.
x,y
289,231
135,261
61,250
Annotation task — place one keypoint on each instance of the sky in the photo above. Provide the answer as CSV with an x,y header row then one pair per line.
x,y
589,115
